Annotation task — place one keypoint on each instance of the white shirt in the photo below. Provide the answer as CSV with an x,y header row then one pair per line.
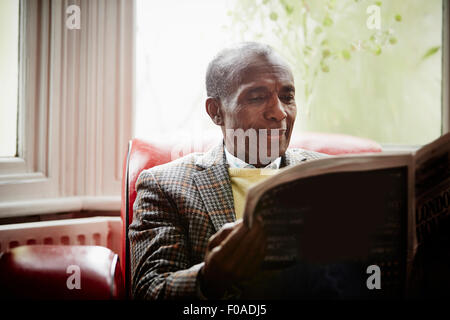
x,y
235,162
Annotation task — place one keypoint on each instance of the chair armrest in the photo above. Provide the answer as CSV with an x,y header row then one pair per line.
x,y
60,272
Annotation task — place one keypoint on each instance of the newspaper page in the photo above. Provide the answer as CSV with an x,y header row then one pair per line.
x,y
429,274
335,222
432,165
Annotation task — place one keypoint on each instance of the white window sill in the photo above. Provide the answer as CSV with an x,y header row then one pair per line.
x,y
399,148
56,205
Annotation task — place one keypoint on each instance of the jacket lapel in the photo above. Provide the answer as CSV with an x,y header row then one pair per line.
x,y
213,183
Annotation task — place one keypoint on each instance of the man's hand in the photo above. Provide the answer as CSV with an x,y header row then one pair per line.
x,y
233,254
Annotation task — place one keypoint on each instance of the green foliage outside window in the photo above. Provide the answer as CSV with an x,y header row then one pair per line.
x,y
381,83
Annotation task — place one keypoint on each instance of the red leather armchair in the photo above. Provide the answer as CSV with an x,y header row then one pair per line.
x,y
60,272
144,155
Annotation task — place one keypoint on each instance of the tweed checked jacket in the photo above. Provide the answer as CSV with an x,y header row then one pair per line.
x,y
179,206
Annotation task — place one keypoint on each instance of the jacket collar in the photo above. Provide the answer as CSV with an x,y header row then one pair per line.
x,y
216,156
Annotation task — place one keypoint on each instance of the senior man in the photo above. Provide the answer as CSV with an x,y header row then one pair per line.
x,y
187,237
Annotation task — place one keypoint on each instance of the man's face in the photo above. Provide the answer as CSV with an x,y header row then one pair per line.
x,y
263,99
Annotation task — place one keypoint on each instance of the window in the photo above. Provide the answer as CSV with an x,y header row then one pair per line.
x,y
74,101
9,56
366,68
174,43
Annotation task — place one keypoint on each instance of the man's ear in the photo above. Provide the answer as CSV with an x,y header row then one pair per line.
x,y
214,110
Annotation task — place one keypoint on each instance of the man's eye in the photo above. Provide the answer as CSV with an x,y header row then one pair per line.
x,y
257,99
287,98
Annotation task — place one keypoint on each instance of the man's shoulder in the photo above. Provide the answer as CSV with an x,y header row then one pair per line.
x,y
185,167
179,167
298,155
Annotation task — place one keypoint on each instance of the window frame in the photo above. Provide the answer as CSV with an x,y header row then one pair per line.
x,y
67,82
445,67
30,163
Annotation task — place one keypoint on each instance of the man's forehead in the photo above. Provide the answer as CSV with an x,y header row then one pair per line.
x,y
263,75
265,82
253,69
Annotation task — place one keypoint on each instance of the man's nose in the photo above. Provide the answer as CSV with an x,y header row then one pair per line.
x,y
275,110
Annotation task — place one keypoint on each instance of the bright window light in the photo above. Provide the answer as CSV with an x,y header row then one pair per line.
x,y
9,64
364,68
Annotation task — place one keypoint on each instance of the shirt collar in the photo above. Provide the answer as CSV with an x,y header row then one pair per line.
x,y
235,162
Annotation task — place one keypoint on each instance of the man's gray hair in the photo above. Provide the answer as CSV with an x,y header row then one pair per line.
x,y
222,75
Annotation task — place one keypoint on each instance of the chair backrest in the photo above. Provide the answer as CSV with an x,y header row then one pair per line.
x,y
143,155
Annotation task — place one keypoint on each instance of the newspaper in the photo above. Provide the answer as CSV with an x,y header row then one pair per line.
x,y
353,213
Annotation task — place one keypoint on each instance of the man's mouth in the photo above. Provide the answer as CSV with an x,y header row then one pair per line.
x,y
275,133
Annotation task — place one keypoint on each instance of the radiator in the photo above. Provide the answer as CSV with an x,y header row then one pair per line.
x,y
100,231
